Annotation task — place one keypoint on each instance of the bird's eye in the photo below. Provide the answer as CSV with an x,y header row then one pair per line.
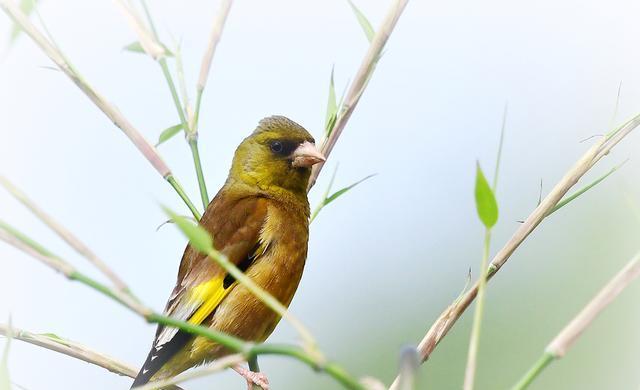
x,y
277,147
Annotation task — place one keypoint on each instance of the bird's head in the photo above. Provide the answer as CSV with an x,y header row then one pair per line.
x,y
277,156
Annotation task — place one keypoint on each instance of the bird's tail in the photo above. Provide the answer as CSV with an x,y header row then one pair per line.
x,y
159,356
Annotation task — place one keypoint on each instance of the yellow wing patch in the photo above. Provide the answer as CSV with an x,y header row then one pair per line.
x,y
210,293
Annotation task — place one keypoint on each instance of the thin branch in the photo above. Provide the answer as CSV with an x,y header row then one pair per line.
x,y
59,265
254,366
192,137
216,33
470,372
269,300
65,234
147,39
496,172
71,348
360,82
247,349
568,336
450,316
192,133
147,150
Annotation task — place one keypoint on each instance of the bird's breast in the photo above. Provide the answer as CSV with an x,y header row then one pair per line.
x,y
277,268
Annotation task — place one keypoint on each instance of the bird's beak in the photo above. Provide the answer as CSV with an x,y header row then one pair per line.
x,y
306,155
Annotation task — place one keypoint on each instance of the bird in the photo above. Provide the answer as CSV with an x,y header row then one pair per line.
x,y
259,219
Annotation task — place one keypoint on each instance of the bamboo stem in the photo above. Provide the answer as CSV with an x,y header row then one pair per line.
x,y
191,134
176,186
205,67
561,344
65,234
254,367
470,372
360,82
534,371
247,349
114,115
72,349
440,328
269,300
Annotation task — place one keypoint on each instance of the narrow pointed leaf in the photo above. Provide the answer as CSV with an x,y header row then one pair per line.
x,y
53,336
136,47
332,107
341,192
574,196
168,133
364,22
486,204
27,6
198,236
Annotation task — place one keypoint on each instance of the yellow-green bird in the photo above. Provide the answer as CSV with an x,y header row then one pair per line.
x,y
260,220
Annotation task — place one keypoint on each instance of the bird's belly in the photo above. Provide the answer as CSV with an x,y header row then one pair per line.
x,y
243,315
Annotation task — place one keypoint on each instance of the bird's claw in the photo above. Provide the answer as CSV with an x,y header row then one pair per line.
x,y
253,378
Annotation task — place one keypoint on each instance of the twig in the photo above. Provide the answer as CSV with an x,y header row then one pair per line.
x,y
500,145
449,317
247,349
269,300
71,348
147,39
65,234
254,366
474,342
360,82
16,239
216,32
192,133
568,336
147,150
216,366
192,138
470,372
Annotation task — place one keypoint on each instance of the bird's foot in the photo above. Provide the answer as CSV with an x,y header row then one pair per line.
x,y
253,378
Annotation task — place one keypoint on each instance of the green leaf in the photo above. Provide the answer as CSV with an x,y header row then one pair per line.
x,y
485,200
25,239
574,196
136,47
52,336
168,133
27,6
198,237
500,144
330,198
364,22
5,382
341,192
332,107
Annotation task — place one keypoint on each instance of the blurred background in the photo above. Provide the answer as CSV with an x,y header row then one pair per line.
x,y
389,256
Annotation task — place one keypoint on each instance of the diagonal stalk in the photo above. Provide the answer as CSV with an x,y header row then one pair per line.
x,y
247,349
114,115
469,375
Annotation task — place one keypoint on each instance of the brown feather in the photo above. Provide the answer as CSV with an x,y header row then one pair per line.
x,y
259,220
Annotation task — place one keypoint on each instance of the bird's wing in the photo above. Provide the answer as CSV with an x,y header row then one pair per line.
x,y
235,225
